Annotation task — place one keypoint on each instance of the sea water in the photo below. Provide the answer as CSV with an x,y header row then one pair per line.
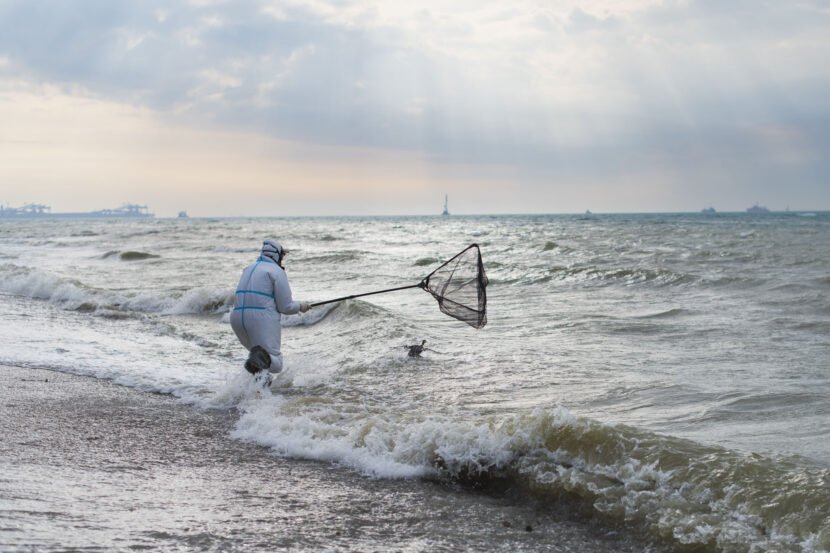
x,y
668,373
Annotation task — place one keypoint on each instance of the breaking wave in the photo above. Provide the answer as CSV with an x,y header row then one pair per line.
x,y
665,314
595,276
426,261
623,275
674,491
72,294
129,255
309,318
339,257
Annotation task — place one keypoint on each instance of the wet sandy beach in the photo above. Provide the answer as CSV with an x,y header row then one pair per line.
x,y
88,465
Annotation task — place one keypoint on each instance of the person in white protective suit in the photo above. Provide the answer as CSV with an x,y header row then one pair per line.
x,y
261,296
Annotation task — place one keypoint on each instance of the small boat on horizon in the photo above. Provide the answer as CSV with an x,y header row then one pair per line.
x,y
445,213
182,214
757,209
709,209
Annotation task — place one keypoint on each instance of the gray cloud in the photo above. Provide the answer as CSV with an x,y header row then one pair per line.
x,y
685,88
581,21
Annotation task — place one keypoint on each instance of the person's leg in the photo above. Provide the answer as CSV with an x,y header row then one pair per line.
x,y
276,363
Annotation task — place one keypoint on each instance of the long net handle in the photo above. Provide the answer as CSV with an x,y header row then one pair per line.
x,y
423,284
419,285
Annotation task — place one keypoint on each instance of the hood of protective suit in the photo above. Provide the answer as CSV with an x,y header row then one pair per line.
x,y
272,250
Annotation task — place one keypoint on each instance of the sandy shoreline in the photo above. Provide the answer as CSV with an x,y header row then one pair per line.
x,y
90,465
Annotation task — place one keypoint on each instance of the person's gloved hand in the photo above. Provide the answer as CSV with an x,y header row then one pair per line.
x,y
304,306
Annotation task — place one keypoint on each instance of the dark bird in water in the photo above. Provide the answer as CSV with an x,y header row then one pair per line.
x,y
415,350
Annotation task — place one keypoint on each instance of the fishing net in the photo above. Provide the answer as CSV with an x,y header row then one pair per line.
x,y
459,286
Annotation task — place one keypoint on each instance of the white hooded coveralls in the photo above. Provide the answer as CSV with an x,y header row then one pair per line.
x,y
261,296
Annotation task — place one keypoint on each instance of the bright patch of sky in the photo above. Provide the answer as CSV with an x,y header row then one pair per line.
x,y
382,107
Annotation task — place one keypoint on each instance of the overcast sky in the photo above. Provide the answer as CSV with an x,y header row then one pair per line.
x,y
326,107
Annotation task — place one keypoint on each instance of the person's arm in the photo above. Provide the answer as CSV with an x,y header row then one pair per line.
x,y
282,294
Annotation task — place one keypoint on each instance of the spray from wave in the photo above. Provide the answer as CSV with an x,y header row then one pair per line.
x,y
72,294
674,491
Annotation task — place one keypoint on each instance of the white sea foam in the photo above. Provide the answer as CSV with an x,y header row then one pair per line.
x,y
617,475
310,317
202,300
564,327
73,294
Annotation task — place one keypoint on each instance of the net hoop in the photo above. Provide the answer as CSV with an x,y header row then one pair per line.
x,y
460,287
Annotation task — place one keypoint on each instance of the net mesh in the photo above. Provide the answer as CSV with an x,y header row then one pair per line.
x,y
459,286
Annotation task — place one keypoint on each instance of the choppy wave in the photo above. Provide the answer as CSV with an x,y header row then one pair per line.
x,y
144,232
130,255
309,318
73,294
620,284
672,490
627,275
338,257
665,314
595,275
352,310
230,249
136,256
426,261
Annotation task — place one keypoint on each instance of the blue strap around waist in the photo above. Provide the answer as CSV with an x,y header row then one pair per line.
x,y
255,292
246,307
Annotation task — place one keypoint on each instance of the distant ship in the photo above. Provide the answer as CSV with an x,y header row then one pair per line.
x,y
38,211
28,210
709,209
445,213
182,214
588,212
757,209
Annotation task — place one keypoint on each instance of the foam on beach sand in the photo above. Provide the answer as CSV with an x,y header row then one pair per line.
x,y
89,463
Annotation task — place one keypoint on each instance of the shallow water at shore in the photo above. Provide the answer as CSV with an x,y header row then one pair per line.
x,y
660,374
91,466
